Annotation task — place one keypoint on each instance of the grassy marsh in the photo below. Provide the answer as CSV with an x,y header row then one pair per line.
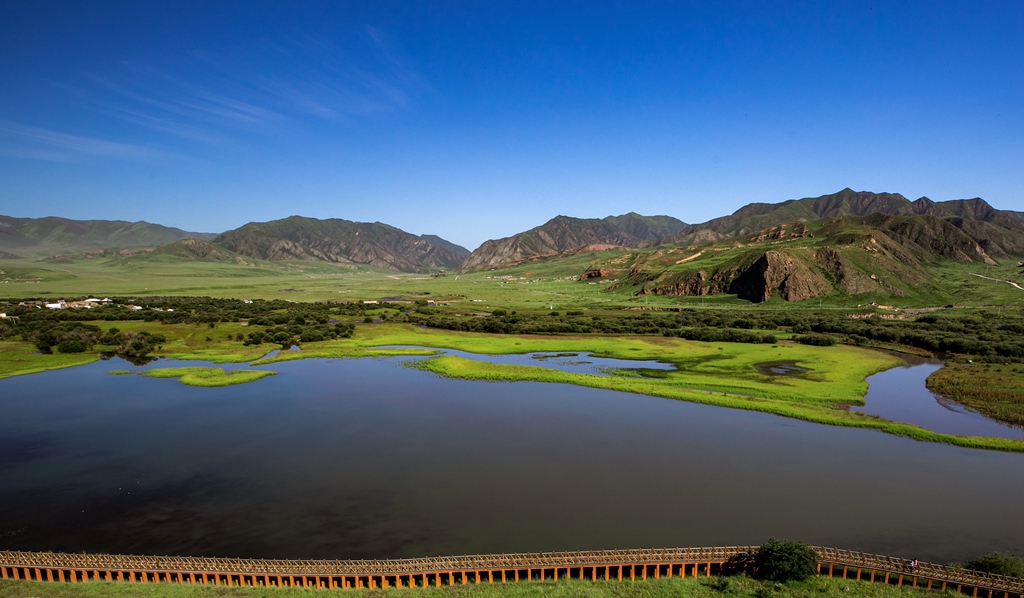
x,y
18,358
206,376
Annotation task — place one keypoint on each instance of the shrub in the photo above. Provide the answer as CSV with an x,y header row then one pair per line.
x,y
785,560
71,345
999,564
817,340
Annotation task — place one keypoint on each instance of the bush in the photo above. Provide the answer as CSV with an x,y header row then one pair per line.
x,y
785,560
997,563
71,345
817,340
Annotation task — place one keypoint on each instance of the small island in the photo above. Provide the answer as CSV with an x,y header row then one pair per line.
x,y
208,376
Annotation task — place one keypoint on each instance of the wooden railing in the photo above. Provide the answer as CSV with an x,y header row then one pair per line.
x,y
436,571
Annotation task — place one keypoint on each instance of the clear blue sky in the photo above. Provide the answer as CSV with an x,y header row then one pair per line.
x,y
477,120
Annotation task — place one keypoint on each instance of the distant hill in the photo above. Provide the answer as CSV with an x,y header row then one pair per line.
x,y
999,232
458,250
564,233
190,250
36,237
338,241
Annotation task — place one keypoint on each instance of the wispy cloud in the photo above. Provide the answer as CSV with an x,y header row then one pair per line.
x,y
213,96
22,141
201,103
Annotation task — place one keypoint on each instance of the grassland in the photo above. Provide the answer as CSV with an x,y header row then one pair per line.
x,y
533,286
1000,397
18,358
209,377
715,587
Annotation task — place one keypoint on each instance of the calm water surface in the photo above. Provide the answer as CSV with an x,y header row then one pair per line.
x,y
365,458
900,395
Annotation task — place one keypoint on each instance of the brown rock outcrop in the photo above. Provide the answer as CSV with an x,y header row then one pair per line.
x,y
777,272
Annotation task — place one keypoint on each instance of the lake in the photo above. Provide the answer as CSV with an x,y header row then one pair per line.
x,y
365,458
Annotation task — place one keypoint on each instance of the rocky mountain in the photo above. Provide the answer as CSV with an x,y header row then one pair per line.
x,y
36,237
564,233
999,232
878,254
338,241
458,250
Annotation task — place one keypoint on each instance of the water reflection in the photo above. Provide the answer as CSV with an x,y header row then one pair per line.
x,y
582,362
900,395
365,458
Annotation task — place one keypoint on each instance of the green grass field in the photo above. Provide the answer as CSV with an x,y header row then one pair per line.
x,y
534,286
714,587
18,358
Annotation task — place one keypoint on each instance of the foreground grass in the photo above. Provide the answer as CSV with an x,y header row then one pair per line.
x,y
210,377
1001,396
714,587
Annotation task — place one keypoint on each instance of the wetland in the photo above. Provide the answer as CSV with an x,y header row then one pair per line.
x,y
376,457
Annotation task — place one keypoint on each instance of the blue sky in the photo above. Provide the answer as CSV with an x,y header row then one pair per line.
x,y
477,120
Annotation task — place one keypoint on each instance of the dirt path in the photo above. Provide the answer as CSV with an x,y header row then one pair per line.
x,y
1009,282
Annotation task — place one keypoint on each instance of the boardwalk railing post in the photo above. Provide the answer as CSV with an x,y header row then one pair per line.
x,y
405,573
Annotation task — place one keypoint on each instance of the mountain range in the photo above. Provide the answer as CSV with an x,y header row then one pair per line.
x,y
852,241
563,233
38,237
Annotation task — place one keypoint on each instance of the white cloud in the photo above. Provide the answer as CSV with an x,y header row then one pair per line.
x,y
22,141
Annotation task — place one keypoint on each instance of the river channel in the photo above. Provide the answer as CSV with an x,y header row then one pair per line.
x,y
365,458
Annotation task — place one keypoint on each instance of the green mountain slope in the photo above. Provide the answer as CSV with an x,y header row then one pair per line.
x,y
186,250
876,257
35,237
338,241
564,233
999,230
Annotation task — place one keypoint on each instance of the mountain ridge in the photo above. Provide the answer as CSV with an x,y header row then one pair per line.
x,y
38,237
339,241
566,233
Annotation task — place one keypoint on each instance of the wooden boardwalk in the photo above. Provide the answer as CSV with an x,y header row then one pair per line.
x,y
617,565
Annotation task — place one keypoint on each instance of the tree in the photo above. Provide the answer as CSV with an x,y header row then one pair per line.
x,y
785,560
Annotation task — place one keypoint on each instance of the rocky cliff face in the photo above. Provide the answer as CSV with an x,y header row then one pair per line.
x,y
778,273
852,255
770,273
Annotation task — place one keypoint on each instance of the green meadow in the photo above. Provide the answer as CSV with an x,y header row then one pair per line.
x,y
714,587
540,285
210,377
